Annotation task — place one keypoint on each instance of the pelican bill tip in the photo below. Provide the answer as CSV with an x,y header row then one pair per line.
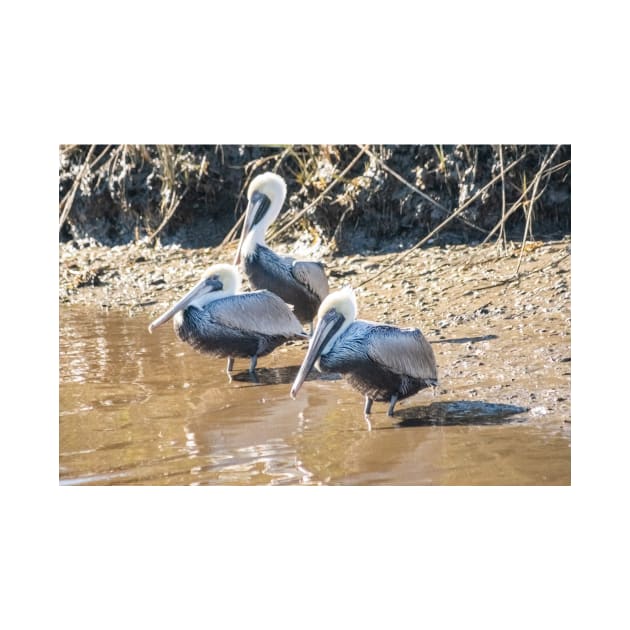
x,y
154,324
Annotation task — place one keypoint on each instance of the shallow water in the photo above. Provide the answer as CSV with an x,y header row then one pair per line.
x,y
137,408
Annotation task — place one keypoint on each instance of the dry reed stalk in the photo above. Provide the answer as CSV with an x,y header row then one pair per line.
x,y
502,236
92,165
168,162
230,235
302,212
401,179
75,187
100,155
516,205
284,154
548,158
175,201
403,255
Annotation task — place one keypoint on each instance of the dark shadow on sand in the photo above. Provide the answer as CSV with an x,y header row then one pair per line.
x,y
466,339
458,413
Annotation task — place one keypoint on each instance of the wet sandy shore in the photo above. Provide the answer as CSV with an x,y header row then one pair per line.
x,y
497,335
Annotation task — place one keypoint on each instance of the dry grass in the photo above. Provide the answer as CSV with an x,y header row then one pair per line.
x,y
334,190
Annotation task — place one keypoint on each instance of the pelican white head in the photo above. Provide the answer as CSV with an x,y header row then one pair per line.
x,y
265,195
336,313
218,282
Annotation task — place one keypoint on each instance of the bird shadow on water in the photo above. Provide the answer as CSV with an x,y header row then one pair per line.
x,y
466,339
279,376
459,413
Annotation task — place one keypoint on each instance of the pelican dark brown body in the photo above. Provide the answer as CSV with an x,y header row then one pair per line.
x,y
300,283
384,363
214,318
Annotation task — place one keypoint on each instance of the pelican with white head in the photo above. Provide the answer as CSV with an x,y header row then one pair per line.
x,y
215,318
385,363
303,284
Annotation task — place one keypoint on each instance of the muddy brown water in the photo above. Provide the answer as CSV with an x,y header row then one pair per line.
x,y
137,408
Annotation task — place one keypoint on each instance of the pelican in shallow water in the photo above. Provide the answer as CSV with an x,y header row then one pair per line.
x,y
383,362
303,284
214,318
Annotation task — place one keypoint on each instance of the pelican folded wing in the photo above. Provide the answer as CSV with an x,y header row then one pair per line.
x,y
260,312
403,351
312,276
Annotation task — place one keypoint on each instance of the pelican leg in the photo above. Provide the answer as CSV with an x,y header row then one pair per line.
x,y
392,404
368,405
252,365
230,364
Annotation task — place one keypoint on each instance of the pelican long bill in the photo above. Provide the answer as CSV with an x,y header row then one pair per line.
x,y
215,318
204,286
256,210
327,326
383,362
301,283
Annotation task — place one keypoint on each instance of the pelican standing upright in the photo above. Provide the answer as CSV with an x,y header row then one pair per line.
x,y
303,284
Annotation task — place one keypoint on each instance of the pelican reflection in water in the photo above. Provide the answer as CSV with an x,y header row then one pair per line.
x,y
383,362
303,284
213,317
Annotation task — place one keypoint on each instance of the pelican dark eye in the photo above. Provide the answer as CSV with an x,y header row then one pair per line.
x,y
213,283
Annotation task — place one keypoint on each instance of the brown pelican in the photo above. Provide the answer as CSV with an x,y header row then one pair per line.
x,y
302,284
383,362
214,318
